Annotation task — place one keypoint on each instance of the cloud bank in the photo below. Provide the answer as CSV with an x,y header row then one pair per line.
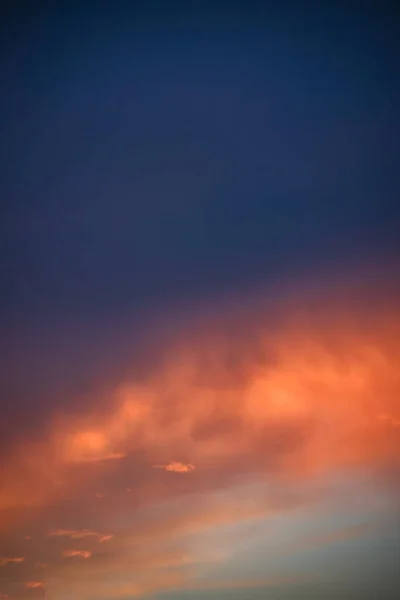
x,y
118,501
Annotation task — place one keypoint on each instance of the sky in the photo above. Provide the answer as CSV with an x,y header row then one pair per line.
x,y
200,324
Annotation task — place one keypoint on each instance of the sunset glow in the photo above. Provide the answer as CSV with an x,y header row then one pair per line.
x,y
200,301
303,402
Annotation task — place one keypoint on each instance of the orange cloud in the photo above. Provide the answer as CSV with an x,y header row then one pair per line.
x,y
176,467
81,553
34,585
77,534
278,400
390,420
315,394
105,538
6,560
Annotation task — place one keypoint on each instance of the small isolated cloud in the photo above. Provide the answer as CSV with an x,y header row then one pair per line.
x,y
7,560
176,467
81,553
79,534
34,585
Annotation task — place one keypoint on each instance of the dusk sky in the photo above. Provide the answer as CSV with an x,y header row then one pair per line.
x,y
199,305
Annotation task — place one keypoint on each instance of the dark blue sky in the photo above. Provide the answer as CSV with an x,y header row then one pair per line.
x,y
151,156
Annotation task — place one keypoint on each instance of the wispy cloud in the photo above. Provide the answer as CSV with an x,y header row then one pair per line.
x,y
80,553
77,534
34,585
11,560
101,457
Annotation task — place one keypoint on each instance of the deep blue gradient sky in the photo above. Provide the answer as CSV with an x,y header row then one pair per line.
x,y
149,158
